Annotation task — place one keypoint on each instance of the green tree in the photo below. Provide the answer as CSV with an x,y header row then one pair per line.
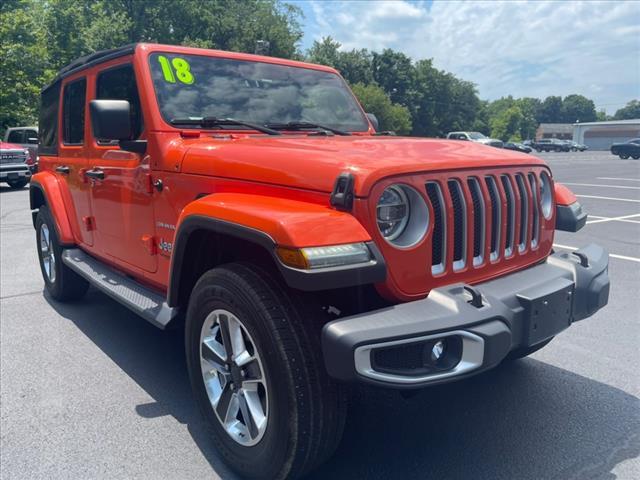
x,y
630,111
506,125
355,65
530,108
395,73
551,110
39,37
578,108
391,116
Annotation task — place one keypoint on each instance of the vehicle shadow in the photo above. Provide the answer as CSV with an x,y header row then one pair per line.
x,y
525,420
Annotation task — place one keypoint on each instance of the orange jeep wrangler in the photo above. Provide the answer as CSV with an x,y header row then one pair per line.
x,y
250,201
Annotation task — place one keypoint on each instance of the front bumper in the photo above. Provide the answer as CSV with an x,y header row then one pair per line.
x,y
14,172
480,324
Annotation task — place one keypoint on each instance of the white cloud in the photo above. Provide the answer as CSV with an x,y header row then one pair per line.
x,y
520,48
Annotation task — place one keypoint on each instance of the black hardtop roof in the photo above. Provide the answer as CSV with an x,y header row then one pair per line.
x,y
90,60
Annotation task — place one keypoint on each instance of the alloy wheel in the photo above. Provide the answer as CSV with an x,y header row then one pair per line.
x,y
47,254
234,377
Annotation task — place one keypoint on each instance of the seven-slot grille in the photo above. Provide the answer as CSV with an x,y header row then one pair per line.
x,y
498,210
8,157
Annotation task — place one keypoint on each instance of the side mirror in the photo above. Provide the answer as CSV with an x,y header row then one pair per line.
x,y
111,120
374,121
32,141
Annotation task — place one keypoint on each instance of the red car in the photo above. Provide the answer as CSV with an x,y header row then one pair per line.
x,y
249,201
16,165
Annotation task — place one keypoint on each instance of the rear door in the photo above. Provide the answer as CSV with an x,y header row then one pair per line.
x,y
121,196
71,162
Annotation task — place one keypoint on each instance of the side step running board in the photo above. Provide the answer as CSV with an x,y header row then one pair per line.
x,y
145,302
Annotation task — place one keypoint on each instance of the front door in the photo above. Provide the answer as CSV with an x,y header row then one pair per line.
x,y
121,197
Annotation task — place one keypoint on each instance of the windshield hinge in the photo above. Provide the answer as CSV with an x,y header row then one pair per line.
x,y
342,194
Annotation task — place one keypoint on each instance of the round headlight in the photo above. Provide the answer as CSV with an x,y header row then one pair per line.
x,y
546,196
402,216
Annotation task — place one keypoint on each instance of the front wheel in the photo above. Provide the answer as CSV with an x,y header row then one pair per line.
x,y
635,157
623,156
255,365
18,184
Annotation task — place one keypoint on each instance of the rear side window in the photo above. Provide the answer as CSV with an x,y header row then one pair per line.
x,y
30,134
73,112
16,136
120,84
48,122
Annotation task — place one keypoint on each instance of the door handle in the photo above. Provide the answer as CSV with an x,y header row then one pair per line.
x,y
63,169
95,174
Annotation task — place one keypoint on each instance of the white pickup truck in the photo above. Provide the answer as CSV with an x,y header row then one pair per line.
x,y
475,137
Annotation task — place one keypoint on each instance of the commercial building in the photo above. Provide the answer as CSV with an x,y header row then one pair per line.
x,y
600,135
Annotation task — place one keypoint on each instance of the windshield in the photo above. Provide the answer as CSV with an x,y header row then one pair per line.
x,y
476,135
195,86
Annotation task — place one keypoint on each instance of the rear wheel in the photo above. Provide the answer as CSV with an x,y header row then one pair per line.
x,y
635,157
254,360
61,282
18,184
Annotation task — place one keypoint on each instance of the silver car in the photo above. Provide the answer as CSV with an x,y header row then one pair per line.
x,y
26,137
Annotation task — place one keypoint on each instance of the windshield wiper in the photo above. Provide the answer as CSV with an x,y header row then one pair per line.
x,y
305,126
213,122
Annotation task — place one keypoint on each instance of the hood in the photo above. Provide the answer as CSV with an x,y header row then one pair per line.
x,y
314,162
10,146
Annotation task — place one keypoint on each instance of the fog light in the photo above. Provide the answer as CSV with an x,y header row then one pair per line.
x,y
437,351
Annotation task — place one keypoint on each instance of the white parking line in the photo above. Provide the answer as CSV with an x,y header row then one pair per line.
x,y
610,198
598,185
624,218
617,178
612,255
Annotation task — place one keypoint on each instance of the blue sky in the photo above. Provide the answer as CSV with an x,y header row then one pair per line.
x,y
518,48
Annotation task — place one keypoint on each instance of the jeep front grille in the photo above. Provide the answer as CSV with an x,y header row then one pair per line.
x,y
11,157
477,220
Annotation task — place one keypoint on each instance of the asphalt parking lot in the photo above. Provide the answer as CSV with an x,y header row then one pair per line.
x,y
89,390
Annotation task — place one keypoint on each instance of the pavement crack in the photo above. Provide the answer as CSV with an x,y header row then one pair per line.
x,y
25,294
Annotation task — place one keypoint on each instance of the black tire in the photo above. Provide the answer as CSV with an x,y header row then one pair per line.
x,y
635,157
623,156
64,284
18,184
306,409
525,352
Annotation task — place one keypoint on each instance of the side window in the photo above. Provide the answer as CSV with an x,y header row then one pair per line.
x,y
16,136
30,134
73,103
120,84
48,121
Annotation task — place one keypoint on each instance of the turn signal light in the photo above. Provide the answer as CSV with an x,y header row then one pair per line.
x,y
324,257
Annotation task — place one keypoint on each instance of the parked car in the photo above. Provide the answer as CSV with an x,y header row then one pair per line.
x,y
550,145
576,147
16,165
27,137
518,147
627,149
299,251
475,137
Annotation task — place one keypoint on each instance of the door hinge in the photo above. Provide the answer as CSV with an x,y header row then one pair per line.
x,y
89,223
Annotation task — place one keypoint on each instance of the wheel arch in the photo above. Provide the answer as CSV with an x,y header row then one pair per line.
x,y
228,227
45,190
